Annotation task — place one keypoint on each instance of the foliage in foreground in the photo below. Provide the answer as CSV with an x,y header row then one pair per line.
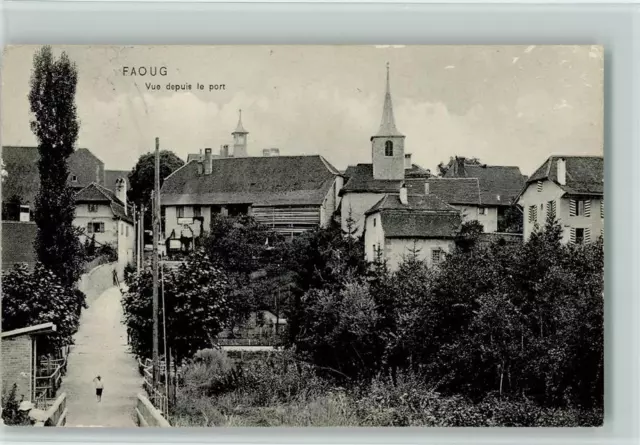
x,y
31,298
11,414
279,390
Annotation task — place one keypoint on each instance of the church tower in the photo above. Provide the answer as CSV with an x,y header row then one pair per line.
x,y
240,139
387,146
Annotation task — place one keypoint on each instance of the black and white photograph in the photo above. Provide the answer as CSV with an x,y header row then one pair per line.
x,y
302,236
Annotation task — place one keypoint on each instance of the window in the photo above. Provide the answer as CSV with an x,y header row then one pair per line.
x,y
74,178
533,214
95,227
539,185
180,211
580,207
388,148
551,209
93,208
126,228
197,211
579,237
482,211
374,221
437,256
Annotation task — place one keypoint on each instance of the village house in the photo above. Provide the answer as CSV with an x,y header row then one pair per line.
x,y
571,190
404,225
103,216
366,184
290,194
22,181
486,191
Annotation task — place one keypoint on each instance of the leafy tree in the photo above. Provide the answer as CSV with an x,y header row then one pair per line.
x,y
31,298
52,100
142,179
512,221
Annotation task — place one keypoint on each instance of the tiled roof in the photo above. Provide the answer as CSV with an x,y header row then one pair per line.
x,y
420,224
97,193
17,243
499,185
111,176
23,177
454,191
414,203
272,180
359,178
585,174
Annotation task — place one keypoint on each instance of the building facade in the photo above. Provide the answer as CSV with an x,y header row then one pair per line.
x,y
569,189
103,216
400,226
290,194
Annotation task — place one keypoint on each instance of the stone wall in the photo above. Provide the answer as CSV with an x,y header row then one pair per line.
x,y
96,281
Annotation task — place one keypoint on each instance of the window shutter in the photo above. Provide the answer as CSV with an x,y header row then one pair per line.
x,y
602,233
587,235
587,207
573,235
539,186
101,227
535,214
572,207
89,228
602,208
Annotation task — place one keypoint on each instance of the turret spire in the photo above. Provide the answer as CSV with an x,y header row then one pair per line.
x,y
388,122
240,129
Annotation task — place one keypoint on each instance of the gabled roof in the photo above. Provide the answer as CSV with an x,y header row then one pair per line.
x,y
424,216
585,174
260,181
98,194
359,179
499,185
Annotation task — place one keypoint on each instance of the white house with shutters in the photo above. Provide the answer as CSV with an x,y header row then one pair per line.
x,y
571,189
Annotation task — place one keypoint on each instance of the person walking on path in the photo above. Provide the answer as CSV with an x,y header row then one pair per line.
x,y
99,387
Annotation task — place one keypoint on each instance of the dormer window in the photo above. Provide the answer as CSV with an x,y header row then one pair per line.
x,y
388,148
74,178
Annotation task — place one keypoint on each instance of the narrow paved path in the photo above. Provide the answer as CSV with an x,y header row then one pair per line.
x,y
101,349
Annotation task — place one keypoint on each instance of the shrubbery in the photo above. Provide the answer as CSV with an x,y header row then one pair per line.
x,y
31,298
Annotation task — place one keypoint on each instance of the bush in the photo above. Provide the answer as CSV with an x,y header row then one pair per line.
x,y
31,298
11,415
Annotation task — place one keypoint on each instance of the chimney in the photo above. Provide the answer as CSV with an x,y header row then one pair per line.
x,y
208,166
426,188
121,192
266,152
407,161
224,151
403,195
562,171
200,167
275,152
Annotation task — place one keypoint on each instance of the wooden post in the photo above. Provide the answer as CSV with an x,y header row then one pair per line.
x,y
156,265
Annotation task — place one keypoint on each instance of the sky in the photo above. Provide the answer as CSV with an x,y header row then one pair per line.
x,y
506,105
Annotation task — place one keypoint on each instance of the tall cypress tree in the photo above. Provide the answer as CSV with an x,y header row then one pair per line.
x,y
52,99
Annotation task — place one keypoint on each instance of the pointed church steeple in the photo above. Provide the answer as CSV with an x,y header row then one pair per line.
x,y
387,145
388,122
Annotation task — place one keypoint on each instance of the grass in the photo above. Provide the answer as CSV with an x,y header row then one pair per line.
x,y
277,391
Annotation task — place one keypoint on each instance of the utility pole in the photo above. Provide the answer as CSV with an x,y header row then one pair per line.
x,y
141,239
156,234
